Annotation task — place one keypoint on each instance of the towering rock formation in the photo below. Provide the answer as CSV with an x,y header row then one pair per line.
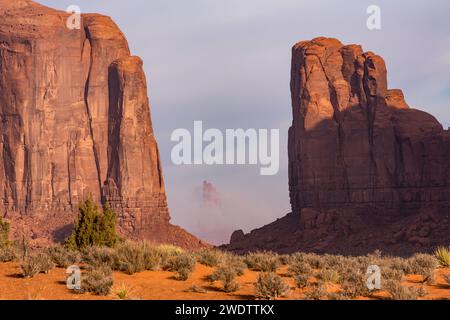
x,y
75,120
365,170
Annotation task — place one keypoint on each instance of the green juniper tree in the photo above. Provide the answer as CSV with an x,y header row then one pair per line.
x,y
94,227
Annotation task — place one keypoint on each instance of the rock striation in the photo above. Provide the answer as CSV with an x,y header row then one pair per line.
x,y
75,120
366,171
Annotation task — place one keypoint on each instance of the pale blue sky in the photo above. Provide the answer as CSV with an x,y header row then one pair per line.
x,y
227,62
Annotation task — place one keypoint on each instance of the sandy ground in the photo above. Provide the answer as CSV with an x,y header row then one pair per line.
x,y
155,285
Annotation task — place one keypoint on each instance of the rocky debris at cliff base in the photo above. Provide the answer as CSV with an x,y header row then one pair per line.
x,y
348,231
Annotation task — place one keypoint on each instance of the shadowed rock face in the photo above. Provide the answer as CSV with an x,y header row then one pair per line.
x,y
353,141
75,120
365,170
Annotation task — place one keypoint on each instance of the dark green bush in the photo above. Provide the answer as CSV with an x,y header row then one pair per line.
x,y
94,227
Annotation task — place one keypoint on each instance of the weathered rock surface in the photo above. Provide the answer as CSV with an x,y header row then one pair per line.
x,y
75,119
365,170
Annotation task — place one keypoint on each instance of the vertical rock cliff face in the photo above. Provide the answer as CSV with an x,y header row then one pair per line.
x,y
75,120
365,170
353,141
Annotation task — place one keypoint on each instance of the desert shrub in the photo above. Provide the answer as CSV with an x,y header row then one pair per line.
x,y
210,257
389,273
317,292
442,254
334,261
97,280
4,233
315,261
165,252
328,275
8,253
30,267
62,256
98,256
94,227
424,265
152,259
235,262
45,262
301,280
270,286
399,292
297,257
354,284
398,264
183,264
227,276
284,259
129,258
263,261
300,268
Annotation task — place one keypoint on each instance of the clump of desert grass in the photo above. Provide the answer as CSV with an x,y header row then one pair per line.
x,y
125,292
442,254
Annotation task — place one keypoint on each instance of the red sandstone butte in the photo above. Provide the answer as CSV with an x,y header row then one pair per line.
x,y
366,171
75,119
